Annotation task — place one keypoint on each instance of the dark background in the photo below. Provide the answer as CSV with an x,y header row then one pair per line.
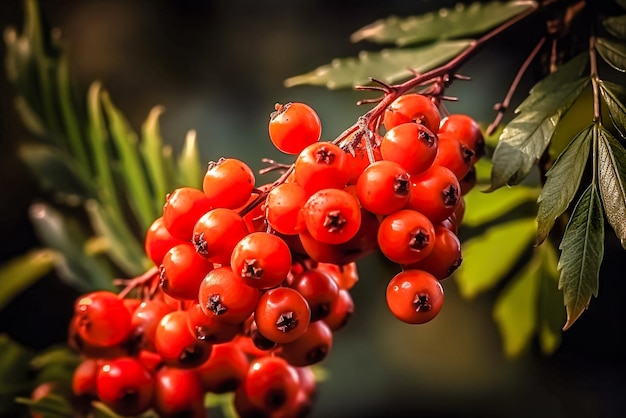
x,y
218,68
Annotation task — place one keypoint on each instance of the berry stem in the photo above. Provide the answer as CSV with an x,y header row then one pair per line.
x,y
141,280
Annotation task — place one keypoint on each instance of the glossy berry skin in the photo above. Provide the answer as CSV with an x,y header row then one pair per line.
x,y
364,242
224,295
341,310
283,208
293,126
414,296
182,209
454,155
228,183
102,319
282,315
208,328
411,145
321,165
217,232
467,131
145,320
332,216
311,348
384,187
158,241
406,236
271,383
178,392
446,255
261,260
435,193
319,289
177,345
182,271
125,386
413,107
224,370
85,377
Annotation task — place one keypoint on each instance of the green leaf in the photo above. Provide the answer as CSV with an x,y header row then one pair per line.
x,y
614,53
540,95
612,181
123,247
131,166
72,263
486,207
57,172
50,406
101,152
389,65
612,94
481,269
152,150
461,21
100,410
616,25
582,249
551,311
515,310
22,271
526,137
189,163
562,182
14,374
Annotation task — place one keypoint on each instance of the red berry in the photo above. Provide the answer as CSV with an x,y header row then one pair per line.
x,y
294,126
271,384
225,296
332,216
414,296
125,386
102,319
282,315
217,232
384,187
182,209
413,107
411,145
261,260
406,236
182,271
228,183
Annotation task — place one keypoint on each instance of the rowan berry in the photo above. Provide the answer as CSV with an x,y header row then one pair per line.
x,y
228,183
293,126
158,241
384,187
182,209
271,384
261,260
332,216
435,193
413,107
176,344
318,288
102,319
182,271
310,348
125,386
466,130
411,145
446,255
217,232
282,314
414,296
178,393
321,165
406,236
225,369
283,208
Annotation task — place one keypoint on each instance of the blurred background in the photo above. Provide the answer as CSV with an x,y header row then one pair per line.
x,y
218,67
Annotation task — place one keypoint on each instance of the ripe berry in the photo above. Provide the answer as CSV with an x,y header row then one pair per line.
x,y
261,260
384,187
176,344
332,216
209,329
125,386
294,126
341,310
318,288
311,348
224,295
182,209
158,241
414,296
228,183
282,315
411,145
178,393
271,383
467,131
182,271
145,320
321,165
102,319
225,369
283,208
217,232
406,236
435,193
454,155
445,257
413,107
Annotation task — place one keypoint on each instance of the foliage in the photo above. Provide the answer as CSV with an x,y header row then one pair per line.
x,y
549,194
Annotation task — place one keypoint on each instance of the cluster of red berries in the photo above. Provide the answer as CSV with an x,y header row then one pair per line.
x,y
251,282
